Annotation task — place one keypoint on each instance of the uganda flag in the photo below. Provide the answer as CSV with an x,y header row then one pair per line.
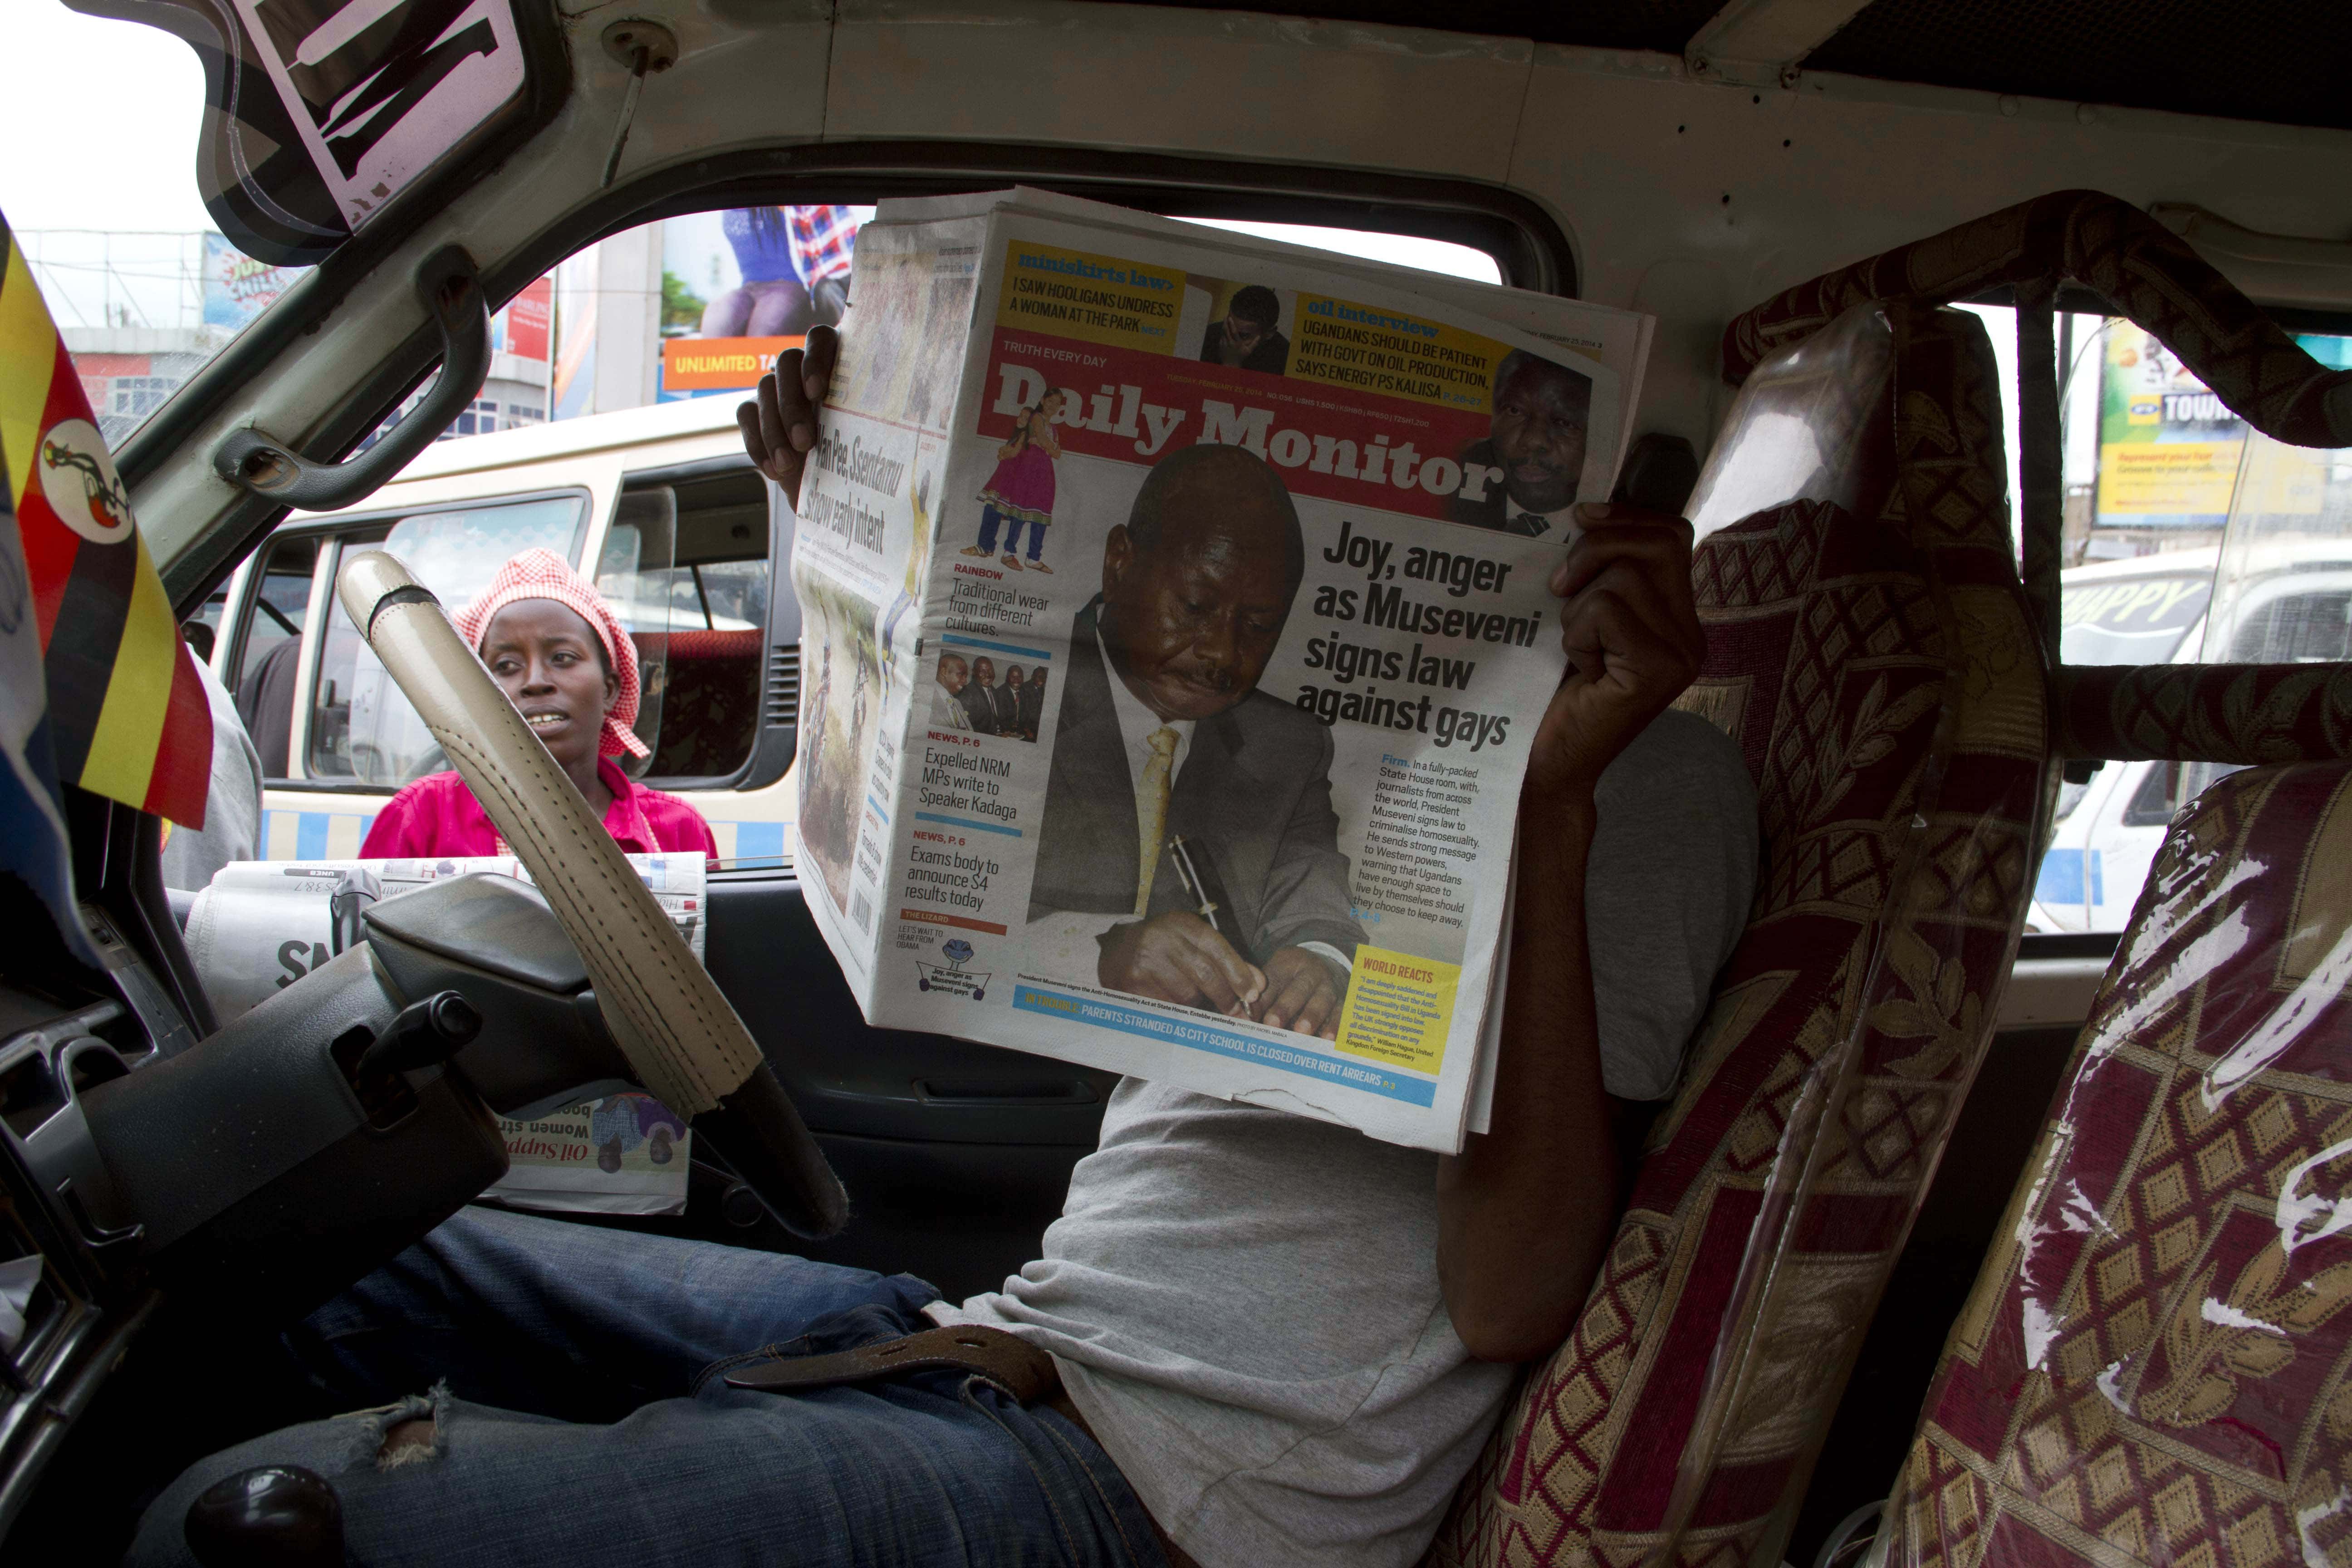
x,y
127,713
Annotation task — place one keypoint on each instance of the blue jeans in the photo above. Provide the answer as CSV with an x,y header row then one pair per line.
x,y
990,518
581,1416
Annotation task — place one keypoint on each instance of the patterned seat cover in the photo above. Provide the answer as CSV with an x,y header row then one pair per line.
x,y
1869,648
2153,1368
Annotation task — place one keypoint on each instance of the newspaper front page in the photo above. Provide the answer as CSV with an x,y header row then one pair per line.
x,y
1178,617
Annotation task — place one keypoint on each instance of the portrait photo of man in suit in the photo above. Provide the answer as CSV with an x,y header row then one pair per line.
x,y
1189,849
1033,702
948,678
1008,703
1534,450
978,696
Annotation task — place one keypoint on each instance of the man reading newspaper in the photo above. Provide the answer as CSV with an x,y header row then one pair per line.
x,y
1280,1340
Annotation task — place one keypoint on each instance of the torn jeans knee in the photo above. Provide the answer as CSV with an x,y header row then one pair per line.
x,y
388,1438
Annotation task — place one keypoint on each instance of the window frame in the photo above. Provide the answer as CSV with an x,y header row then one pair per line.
x,y
1530,248
780,522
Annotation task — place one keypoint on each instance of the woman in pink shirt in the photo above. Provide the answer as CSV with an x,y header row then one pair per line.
x,y
563,657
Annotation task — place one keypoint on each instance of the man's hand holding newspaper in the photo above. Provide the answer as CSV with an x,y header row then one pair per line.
x,y
1515,1260
779,422
1631,632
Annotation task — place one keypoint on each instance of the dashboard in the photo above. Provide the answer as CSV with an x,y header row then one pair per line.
x,y
72,1291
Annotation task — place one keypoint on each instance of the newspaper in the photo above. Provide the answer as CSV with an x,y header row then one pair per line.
x,y
260,925
1176,618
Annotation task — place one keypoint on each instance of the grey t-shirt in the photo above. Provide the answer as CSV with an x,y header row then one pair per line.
x,y
1245,1302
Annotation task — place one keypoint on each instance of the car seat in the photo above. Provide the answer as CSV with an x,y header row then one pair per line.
x,y
1869,648
2153,1366
1901,704
710,700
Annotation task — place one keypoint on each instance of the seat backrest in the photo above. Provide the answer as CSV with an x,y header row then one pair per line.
x,y
2153,1366
710,702
1869,648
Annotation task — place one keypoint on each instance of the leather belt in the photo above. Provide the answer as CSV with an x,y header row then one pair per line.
x,y
1025,1372
1026,1375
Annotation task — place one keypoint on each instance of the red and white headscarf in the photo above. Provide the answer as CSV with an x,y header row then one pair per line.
x,y
543,575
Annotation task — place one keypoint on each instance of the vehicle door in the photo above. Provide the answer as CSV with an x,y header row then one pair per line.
x,y
959,1153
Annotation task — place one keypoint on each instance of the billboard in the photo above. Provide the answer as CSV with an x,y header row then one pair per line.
x,y
2168,448
237,288
693,366
524,326
736,291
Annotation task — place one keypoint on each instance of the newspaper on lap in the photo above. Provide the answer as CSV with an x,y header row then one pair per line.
x,y
261,925
1176,621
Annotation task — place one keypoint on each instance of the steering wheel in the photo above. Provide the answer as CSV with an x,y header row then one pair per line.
x,y
681,1037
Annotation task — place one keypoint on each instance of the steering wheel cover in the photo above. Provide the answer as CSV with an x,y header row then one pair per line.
x,y
678,1032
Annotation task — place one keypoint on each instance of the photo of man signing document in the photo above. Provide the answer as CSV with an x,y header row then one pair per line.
x,y
1189,850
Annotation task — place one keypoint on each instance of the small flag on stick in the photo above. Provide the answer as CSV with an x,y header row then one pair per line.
x,y
32,843
127,713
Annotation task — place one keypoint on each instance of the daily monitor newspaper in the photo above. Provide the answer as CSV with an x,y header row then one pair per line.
x,y
1176,620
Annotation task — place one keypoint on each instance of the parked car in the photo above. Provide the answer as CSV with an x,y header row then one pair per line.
x,y
2281,606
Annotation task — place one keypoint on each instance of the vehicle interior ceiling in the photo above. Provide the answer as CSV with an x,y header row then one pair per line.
x,y
1682,159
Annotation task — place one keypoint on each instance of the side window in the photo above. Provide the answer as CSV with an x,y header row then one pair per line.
x,y
637,572
2167,787
701,622
201,629
281,602
2151,804
262,680
2293,627
362,729
2137,619
734,594
2283,594
2179,517
329,755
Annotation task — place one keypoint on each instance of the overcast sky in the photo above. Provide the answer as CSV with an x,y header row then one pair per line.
x,y
98,126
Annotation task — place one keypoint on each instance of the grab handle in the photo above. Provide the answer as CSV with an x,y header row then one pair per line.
x,y
452,291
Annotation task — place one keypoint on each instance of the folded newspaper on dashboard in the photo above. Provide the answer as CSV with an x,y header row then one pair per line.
x,y
261,925
1175,621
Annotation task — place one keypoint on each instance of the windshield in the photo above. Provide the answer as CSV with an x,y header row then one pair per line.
x,y
142,305
363,729
694,306
187,207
